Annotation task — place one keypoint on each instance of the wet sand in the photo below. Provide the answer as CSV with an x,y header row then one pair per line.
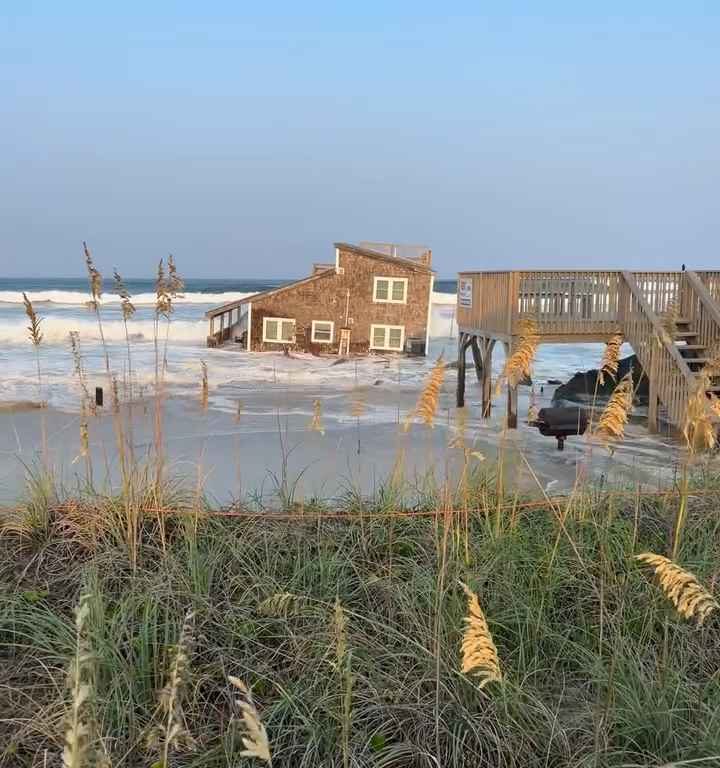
x,y
272,445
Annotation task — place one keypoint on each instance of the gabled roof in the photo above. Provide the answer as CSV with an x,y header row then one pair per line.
x,y
263,294
409,263
416,266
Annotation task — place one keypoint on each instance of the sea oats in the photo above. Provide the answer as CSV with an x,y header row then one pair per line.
x,y
281,604
126,305
79,733
668,321
519,365
611,358
94,277
682,589
479,654
699,429
36,336
429,399
256,740
612,422
172,733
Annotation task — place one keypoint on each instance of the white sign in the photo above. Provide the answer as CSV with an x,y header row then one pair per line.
x,y
465,293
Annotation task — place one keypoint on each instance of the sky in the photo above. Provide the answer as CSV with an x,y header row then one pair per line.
x,y
246,138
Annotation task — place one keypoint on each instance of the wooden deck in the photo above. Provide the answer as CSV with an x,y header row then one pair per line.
x,y
589,306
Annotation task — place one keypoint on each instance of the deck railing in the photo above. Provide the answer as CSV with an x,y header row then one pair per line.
x,y
591,305
702,311
658,355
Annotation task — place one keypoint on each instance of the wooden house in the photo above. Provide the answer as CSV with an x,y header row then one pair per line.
x,y
375,297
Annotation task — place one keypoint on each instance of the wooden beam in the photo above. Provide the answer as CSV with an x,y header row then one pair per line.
x,y
487,350
512,398
462,349
477,357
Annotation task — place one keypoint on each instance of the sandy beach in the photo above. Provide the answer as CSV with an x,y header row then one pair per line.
x,y
271,444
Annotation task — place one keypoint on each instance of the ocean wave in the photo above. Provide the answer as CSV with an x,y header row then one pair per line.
x,y
56,330
79,298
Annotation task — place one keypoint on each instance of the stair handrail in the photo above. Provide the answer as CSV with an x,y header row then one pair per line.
x,y
657,325
706,299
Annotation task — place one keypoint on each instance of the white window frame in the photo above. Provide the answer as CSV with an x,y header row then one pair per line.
x,y
390,282
386,338
280,321
323,341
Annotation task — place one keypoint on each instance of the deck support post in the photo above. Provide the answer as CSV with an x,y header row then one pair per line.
x,y
477,357
653,399
512,396
486,382
463,342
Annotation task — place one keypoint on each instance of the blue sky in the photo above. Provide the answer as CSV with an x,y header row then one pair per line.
x,y
246,137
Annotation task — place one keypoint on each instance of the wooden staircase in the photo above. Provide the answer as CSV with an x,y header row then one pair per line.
x,y
573,306
673,363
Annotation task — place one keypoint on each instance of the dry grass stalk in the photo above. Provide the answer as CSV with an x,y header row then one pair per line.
x,y
175,283
343,661
94,277
519,365
429,399
204,387
34,332
358,402
281,604
87,401
316,424
256,740
714,405
479,654
163,300
669,319
533,410
459,438
128,308
611,358
79,733
682,589
699,429
612,422
173,733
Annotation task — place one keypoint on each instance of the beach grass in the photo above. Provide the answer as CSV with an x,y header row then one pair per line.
x,y
598,667
451,622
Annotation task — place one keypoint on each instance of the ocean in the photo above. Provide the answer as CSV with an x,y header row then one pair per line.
x,y
62,304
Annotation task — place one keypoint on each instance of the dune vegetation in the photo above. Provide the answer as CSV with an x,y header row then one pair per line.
x,y
462,624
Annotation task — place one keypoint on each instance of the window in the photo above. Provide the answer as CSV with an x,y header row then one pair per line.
x,y
391,337
278,330
323,331
390,290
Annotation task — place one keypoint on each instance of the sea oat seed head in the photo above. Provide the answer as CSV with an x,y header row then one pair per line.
x,y
611,425
611,358
36,336
429,399
690,598
256,740
479,654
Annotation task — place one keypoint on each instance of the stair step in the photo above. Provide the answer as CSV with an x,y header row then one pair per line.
x,y
685,334
690,347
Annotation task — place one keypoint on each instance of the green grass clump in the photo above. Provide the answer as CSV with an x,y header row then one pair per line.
x,y
597,669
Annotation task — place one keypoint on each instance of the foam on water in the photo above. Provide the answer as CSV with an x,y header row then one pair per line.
x,y
80,298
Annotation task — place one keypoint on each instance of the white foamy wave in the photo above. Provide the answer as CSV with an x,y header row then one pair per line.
x,y
56,330
142,299
439,297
